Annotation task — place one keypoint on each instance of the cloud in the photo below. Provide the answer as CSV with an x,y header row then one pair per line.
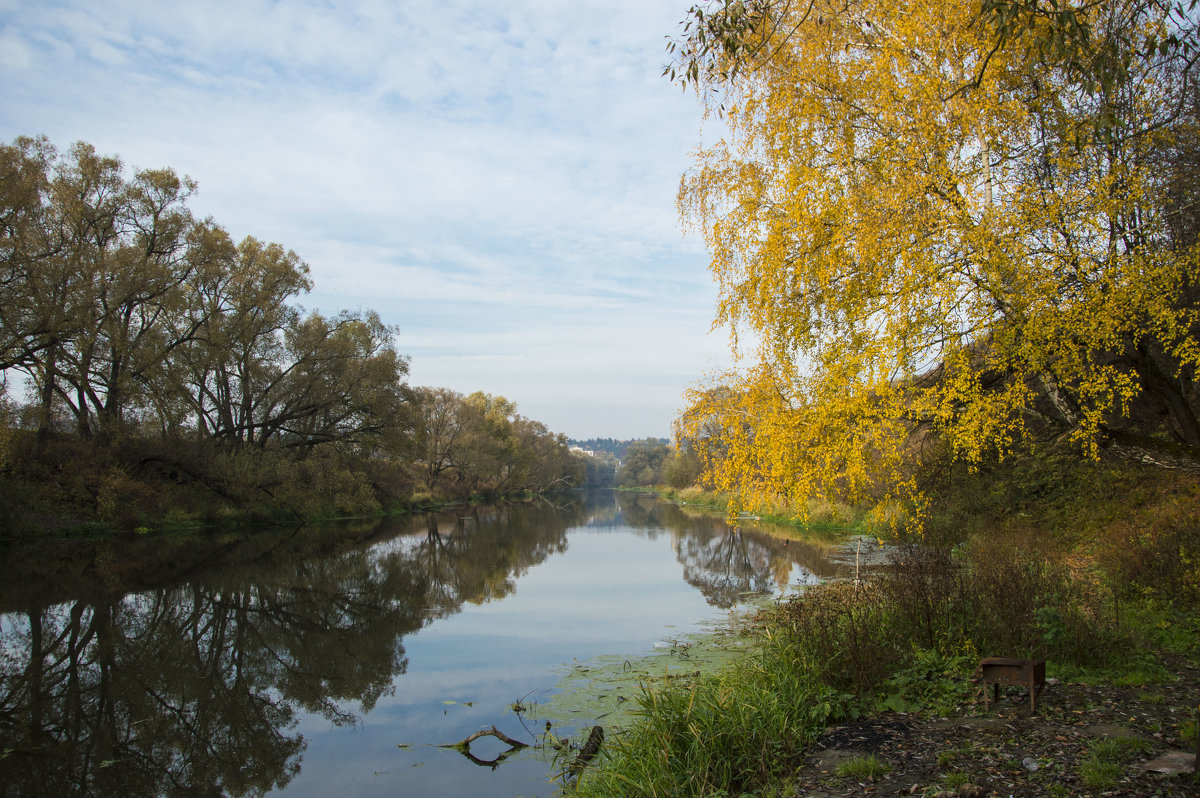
x,y
461,166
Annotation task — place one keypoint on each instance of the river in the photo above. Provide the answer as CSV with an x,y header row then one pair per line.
x,y
337,661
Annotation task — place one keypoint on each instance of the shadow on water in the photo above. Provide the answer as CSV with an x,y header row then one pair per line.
x,y
149,667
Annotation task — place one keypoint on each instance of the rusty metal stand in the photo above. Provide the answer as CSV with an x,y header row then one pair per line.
x,y
995,671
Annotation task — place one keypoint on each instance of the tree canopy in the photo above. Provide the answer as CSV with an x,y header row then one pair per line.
x,y
168,351
944,218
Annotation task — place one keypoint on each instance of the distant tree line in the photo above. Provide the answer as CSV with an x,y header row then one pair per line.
x,y
617,448
639,463
128,320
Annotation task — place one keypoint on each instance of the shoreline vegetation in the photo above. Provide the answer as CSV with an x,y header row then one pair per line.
x,y
1094,567
70,487
156,374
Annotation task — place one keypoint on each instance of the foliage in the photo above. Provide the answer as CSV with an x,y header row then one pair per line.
x,y
644,464
1005,595
478,445
600,469
931,681
124,311
1157,555
611,446
181,364
728,733
916,229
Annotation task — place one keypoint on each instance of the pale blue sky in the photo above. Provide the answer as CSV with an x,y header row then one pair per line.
x,y
495,178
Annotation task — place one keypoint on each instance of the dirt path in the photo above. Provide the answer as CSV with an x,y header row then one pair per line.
x,y
1006,751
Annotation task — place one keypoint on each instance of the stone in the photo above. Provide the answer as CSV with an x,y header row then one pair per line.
x,y
1113,731
1173,763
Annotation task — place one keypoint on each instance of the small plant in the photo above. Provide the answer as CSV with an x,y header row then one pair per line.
x,y
1187,732
1051,624
1100,775
1107,761
955,780
863,768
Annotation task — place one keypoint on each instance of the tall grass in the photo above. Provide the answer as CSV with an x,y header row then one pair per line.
x,y
733,732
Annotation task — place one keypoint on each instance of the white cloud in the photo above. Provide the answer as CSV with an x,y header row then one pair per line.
x,y
460,165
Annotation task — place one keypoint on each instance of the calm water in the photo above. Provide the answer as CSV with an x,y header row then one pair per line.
x,y
334,662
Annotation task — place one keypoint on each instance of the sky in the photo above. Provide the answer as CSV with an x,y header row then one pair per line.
x,y
496,178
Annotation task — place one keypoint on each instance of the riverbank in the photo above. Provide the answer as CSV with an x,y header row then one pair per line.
x,y
867,687
1086,738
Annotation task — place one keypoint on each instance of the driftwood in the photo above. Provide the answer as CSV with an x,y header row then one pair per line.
x,y
589,750
464,746
492,732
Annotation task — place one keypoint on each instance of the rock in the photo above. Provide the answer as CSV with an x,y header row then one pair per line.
x,y
1107,731
1173,763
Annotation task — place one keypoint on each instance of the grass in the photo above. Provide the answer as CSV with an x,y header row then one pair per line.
x,y
955,780
816,516
1108,760
738,731
1187,732
904,642
863,768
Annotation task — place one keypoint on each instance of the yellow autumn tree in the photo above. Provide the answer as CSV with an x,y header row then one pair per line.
x,y
916,231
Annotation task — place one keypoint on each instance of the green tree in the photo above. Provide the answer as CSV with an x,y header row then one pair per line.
x,y
235,320
440,433
29,249
125,255
643,465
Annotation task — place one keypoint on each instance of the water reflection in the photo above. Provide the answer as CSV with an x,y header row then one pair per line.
x,y
140,669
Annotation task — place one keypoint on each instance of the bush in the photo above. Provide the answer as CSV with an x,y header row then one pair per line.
x,y
1156,552
842,630
1008,594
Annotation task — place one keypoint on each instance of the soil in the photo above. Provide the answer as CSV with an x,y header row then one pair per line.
x,y
1007,750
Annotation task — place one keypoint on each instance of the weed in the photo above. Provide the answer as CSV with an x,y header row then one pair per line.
x,y
732,732
1100,775
863,768
933,681
955,780
1107,761
1187,732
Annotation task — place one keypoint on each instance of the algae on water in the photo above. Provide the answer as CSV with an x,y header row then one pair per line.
x,y
605,690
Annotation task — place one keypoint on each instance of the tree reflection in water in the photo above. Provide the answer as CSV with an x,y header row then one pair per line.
x,y
728,564
197,687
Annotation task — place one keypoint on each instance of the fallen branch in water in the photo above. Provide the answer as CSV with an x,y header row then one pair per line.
x,y
589,750
492,732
